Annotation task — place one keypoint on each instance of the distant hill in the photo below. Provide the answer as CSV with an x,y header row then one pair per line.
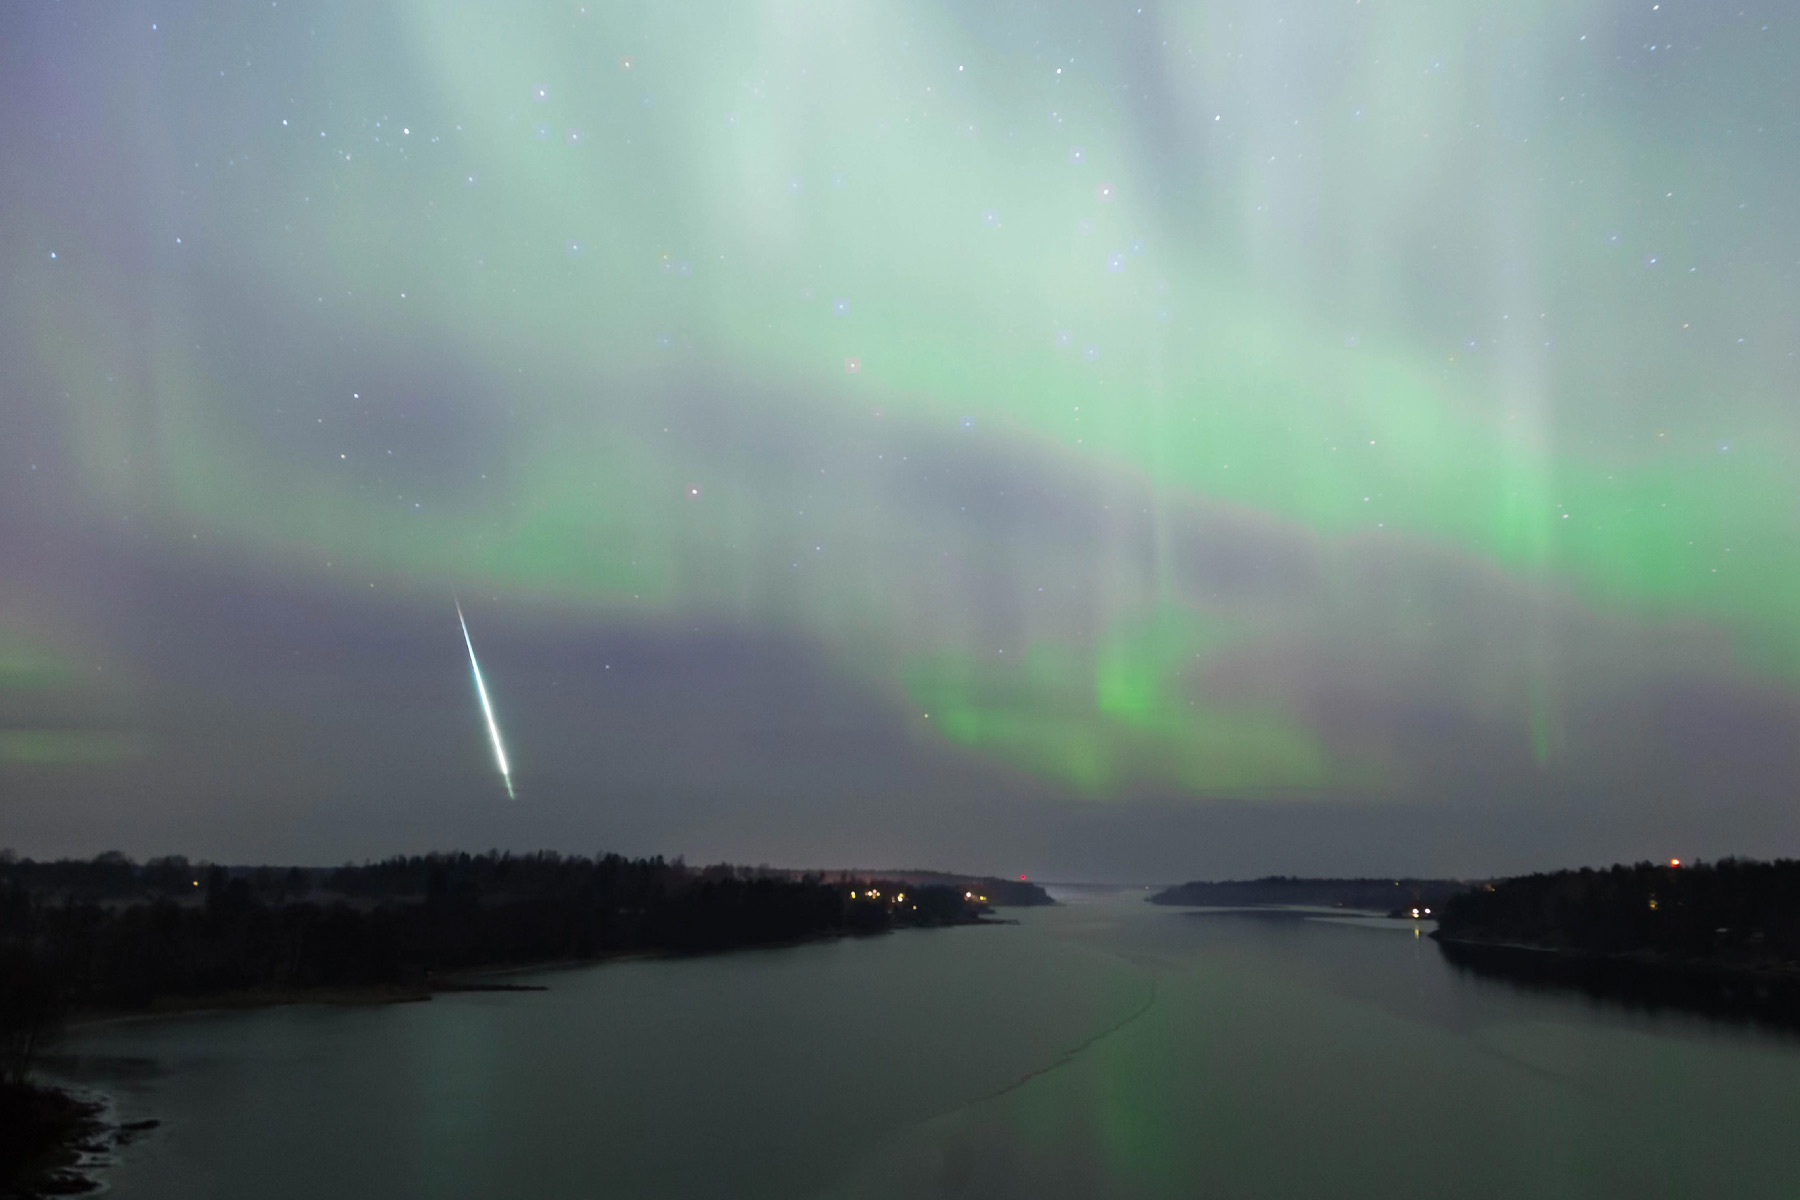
x,y
1373,895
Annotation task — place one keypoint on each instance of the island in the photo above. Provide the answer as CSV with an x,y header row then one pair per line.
x,y
109,936
1395,897
1721,938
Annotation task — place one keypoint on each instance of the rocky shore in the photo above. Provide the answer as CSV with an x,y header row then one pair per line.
x,y
52,1141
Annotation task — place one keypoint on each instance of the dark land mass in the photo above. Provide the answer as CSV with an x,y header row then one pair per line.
x,y
1720,938
111,936
1393,896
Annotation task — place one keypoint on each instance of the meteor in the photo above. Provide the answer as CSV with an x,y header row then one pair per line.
x,y
486,708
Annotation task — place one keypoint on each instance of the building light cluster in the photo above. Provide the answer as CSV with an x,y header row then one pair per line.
x,y
900,897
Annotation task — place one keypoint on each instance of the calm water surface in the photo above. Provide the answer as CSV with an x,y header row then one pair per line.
x,y
1104,1048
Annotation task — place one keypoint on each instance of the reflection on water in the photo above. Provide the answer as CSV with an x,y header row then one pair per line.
x,y
1105,1048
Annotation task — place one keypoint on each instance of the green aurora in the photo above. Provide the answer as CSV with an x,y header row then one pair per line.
x,y
956,341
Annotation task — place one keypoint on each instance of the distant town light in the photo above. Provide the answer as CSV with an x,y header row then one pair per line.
x,y
1674,862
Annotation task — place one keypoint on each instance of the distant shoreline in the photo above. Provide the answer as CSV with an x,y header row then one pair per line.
x,y
1392,896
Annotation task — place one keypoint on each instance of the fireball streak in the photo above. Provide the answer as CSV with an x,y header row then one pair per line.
x,y
486,708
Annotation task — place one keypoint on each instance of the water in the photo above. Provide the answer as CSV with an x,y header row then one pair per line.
x,y
1105,1048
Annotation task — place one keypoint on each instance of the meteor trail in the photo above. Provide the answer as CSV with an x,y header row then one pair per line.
x,y
486,708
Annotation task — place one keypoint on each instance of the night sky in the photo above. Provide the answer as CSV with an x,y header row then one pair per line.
x,y
1083,439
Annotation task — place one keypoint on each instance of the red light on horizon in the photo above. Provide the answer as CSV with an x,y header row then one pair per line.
x,y
1674,862
1021,879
